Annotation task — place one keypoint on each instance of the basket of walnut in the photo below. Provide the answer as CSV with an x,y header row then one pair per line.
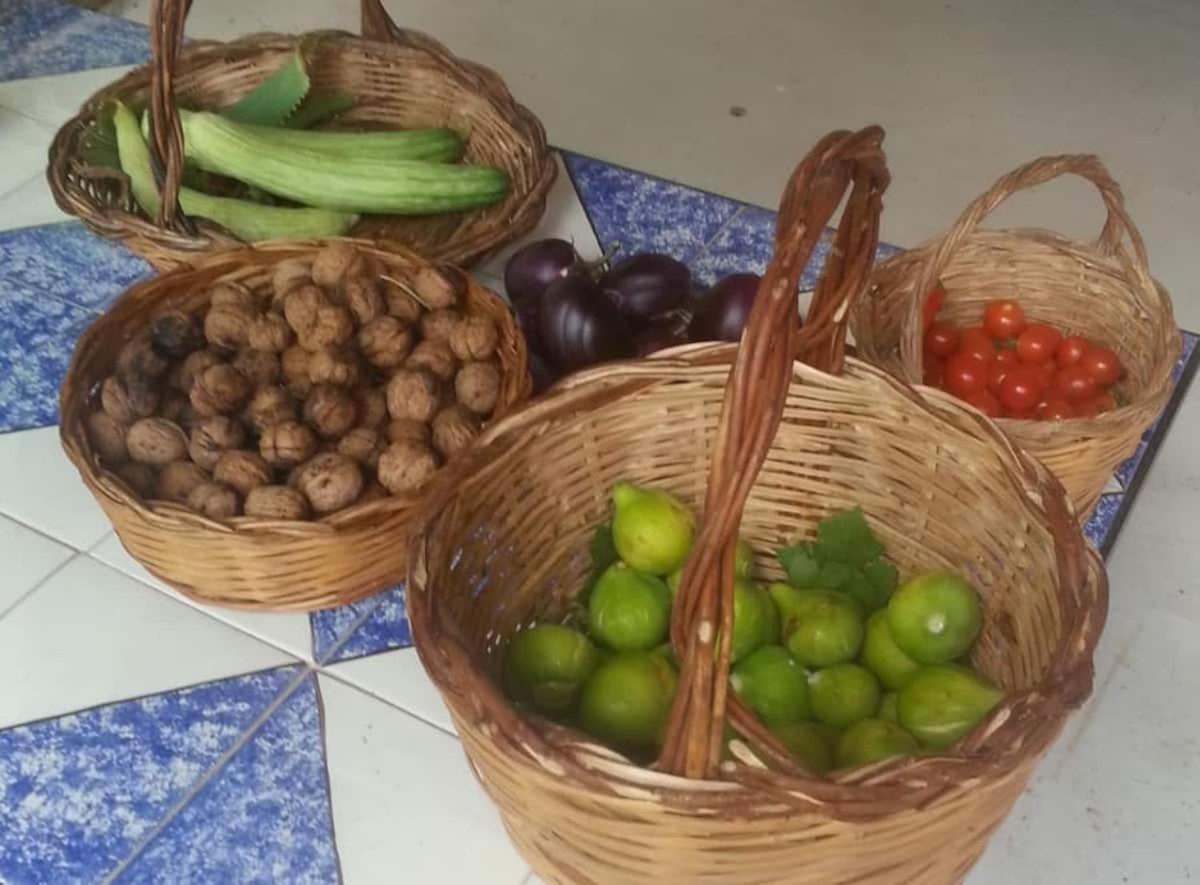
x,y
259,427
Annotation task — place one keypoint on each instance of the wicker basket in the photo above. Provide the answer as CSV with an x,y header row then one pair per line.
x,y
762,446
399,78
1102,290
247,562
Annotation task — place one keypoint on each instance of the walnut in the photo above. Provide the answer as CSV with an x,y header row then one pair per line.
x,y
474,338
242,470
332,327
330,482
220,390
477,386
385,342
372,406
276,502
193,367
139,477
175,334
408,430
259,366
214,500
138,363
127,401
176,407
287,444
453,429
228,326
401,304
270,332
177,479
412,393
107,438
156,441
437,325
438,289
362,298
406,466
434,357
363,445
300,307
288,274
212,437
334,263
373,492
333,367
227,293
294,363
269,405
330,411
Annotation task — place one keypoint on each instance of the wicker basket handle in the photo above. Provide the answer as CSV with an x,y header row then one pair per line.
x,y
701,626
1117,227
378,25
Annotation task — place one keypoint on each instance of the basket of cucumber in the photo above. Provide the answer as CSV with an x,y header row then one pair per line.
x,y
387,137
588,591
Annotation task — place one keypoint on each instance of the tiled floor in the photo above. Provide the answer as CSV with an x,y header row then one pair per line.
x,y
144,738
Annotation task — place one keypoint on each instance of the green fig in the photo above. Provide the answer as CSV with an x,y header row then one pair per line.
x,y
809,742
870,740
652,530
820,627
546,666
843,694
627,700
628,610
755,619
883,657
889,707
773,685
943,702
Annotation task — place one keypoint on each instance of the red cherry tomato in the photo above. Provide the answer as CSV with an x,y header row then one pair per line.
x,y
1071,350
975,342
1102,365
941,339
1001,363
965,374
1003,319
1046,373
1096,405
933,303
1037,343
1020,390
931,370
1055,408
1075,384
986,402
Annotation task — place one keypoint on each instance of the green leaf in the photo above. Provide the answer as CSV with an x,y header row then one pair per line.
x,y
318,107
866,591
846,537
882,575
801,564
604,552
273,100
835,575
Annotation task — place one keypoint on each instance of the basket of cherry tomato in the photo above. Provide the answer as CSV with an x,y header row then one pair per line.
x,y
1069,345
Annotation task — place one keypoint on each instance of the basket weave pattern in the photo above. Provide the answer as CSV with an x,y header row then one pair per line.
x,y
761,446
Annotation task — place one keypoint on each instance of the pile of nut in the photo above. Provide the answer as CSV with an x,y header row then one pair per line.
x,y
339,385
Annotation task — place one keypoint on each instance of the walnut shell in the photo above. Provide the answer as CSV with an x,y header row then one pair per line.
x,y
259,366
227,293
330,482
126,402
404,467
474,338
276,502
242,470
228,326
156,441
477,386
434,357
141,478
287,444
175,334
332,327
107,438
330,411
362,297
334,262
453,429
300,307
438,289
269,405
220,390
401,304
372,406
177,479
409,430
331,366
193,367
413,393
212,437
215,500
138,362
385,342
288,274
294,363
438,325
270,332
373,492
176,407
362,444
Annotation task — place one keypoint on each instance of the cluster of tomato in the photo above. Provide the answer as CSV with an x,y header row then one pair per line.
x,y
1012,368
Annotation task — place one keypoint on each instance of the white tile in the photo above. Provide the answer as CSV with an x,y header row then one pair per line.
x,y
91,635
27,558
41,488
29,204
564,219
405,803
398,678
289,631
54,99
24,144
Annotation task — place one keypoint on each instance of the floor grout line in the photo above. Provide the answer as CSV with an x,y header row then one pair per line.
x,y
703,248
362,689
4,612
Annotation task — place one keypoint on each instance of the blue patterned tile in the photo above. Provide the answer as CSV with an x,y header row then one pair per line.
x,y
264,818
385,628
646,214
1098,527
42,37
78,792
332,625
68,261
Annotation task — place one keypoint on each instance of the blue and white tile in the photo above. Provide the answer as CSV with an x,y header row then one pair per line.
x,y
30,204
42,37
28,557
1100,524
77,793
333,626
398,678
384,628
24,144
288,631
263,817
91,635
647,214
1128,468
405,802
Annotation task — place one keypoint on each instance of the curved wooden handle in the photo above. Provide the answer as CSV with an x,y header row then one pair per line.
x,y
701,623
167,19
378,25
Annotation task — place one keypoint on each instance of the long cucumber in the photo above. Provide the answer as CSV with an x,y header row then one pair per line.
x,y
248,221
